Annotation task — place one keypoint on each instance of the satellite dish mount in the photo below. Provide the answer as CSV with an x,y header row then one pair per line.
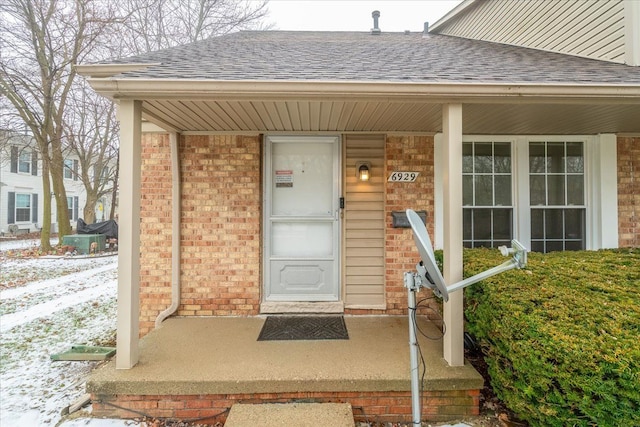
x,y
427,275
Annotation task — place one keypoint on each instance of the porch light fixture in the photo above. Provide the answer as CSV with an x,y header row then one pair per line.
x,y
363,171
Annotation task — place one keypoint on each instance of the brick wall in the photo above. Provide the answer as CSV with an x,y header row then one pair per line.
x,y
379,407
221,215
155,229
221,223
406,153
629,192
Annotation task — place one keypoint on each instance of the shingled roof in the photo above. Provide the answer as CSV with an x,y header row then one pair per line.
x,y
360,56
355,81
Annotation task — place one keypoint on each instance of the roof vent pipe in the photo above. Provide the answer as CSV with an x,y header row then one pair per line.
x,y
375,30
426,28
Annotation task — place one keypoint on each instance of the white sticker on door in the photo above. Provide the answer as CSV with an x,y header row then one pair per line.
x,y
284,178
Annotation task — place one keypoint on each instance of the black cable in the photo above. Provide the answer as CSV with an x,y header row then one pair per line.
x,y
145,415
219,414
424,365
142,414
443,328
413,316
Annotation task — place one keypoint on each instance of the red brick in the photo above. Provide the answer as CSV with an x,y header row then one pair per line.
x,y
628,156
381,406
221,191
199,403
413,153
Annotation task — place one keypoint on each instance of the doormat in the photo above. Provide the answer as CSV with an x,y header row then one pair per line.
x,y
283,328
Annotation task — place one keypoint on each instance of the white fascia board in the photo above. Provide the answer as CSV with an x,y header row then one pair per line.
x,y
353,91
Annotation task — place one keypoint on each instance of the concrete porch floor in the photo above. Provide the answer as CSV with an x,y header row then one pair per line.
x,y
221,356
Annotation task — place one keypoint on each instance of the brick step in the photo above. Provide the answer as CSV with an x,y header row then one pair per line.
x,y
290,414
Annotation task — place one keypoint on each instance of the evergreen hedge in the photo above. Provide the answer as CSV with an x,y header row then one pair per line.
x,y
562,337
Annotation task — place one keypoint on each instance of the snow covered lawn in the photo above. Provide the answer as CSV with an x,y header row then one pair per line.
x,y
46,306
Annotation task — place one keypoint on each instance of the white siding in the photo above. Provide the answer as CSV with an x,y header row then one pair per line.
x,y
27,183
593,29
364,224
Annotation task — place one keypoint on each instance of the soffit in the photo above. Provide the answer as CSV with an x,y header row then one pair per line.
x,y
385,116
355,82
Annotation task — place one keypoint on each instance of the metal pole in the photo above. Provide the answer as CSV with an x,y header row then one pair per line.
x,y
413,350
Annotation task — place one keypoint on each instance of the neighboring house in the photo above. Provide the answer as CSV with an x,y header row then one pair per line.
x,y
606,30
261,136
21,194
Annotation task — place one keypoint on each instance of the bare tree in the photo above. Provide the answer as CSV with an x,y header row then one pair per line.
x,y
145,26
11,126
91,131
41,39
160,24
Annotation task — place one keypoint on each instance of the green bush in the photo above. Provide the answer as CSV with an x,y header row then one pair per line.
x,y
562,337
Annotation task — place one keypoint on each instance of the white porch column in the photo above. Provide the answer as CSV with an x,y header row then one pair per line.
x,y
130,116
604,178
452,232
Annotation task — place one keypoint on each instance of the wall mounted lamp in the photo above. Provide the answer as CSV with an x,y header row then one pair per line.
x,y
363,171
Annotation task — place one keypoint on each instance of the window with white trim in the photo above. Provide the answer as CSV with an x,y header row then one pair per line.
x,y
103,175
23,207
557,195
487,195
24,162
68,169
72,207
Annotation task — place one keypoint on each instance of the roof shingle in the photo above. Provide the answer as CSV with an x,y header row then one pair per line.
x,y
359,56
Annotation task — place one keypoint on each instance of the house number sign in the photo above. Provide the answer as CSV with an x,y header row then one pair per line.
x,y
403,176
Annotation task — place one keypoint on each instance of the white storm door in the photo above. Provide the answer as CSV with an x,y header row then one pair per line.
x,y
302,232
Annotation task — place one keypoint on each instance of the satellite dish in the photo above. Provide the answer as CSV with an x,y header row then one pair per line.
x,y
428,275
423,242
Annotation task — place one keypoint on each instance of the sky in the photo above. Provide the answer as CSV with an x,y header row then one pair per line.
x,y
355,15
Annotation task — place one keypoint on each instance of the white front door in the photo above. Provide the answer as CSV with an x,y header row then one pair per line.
x,y
302,232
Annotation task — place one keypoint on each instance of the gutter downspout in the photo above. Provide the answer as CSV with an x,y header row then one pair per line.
x,y
176,197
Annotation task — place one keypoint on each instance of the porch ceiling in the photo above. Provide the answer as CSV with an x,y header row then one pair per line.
x,y
383,115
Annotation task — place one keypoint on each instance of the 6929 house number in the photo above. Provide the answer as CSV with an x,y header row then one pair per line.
x,y
403,176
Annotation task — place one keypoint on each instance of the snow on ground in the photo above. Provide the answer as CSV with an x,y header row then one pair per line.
x,y
10,244
46,306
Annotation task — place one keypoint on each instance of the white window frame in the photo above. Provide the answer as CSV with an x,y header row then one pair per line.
x,y
25,158
73,205
493,206
68,169
600,187
16,207
547,206
104,176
